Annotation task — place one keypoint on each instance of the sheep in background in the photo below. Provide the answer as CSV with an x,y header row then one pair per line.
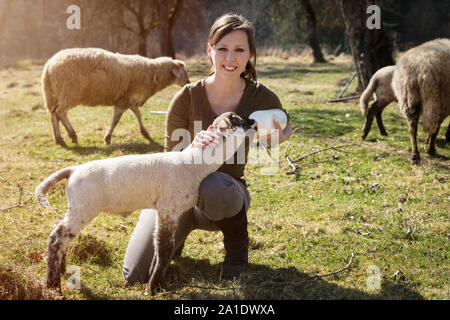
x,y
380,86
92,77
421,84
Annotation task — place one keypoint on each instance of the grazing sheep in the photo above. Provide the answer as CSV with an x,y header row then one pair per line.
x,y
380,86
168,182
421,84
93,77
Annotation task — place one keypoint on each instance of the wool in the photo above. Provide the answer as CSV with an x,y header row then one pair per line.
x,y
96,77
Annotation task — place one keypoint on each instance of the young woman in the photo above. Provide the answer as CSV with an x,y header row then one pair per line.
x,y
223,199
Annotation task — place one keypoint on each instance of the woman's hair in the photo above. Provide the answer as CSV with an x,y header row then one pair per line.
x,y
231,22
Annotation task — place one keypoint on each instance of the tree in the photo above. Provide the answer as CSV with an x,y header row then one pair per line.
x,y
312,35
371,48
138,17
168,13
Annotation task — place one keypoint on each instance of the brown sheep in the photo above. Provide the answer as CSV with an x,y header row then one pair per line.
x,y
92,77
421,84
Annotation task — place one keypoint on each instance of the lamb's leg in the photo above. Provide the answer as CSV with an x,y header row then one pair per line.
x,y
56,132
138,115
415,156
378,116
59,240
118,112
369,119
164,250
62,116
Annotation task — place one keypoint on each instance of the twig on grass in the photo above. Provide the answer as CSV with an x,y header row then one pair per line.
x,y
344,99
346,85
19,203
321,150
267,283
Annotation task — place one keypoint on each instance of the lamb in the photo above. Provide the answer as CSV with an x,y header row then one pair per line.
x,y
92,77
168,182
421,84
380,86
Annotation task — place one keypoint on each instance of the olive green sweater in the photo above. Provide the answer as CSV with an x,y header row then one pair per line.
x,y
190,109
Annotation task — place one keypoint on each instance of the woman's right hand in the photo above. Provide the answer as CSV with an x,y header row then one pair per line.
x,y
205,138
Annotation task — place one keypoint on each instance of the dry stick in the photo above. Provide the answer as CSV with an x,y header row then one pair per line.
x,y
346,85
344,99
321,150
19,204
312,278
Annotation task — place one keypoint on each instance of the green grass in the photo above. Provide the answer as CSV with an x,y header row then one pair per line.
x,y
359,199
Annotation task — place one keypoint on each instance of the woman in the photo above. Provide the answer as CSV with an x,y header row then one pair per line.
x,y
223,196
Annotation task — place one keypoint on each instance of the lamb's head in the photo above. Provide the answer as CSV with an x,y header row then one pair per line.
x,y
230,123
180,73
232,131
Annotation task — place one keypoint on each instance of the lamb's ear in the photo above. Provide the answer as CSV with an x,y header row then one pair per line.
x,y
224,124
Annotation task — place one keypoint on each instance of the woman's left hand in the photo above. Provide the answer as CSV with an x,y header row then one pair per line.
x,y
278,135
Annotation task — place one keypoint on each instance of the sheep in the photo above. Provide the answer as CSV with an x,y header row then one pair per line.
x,y
92,77
168,182
380,86
421,84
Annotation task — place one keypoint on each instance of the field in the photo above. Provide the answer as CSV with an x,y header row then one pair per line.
x,y
362,197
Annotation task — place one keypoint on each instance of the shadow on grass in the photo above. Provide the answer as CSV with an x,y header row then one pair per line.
x,y
128,148
262,282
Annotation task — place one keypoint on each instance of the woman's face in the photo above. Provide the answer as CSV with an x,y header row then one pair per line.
x,y
230,55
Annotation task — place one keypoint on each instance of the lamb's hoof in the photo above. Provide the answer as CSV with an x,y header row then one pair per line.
x,y
431,151
107,141
384,133
415,159
75,140
364,135
146,135
61,143
54,285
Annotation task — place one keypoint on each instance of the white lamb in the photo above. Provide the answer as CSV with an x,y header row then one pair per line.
x,y
168,182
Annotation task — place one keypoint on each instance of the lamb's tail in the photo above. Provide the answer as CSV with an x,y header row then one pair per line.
x,y
48,183
366,95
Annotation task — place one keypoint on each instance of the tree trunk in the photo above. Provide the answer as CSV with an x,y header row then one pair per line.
x,y
371,49
312,35
142,46
165,37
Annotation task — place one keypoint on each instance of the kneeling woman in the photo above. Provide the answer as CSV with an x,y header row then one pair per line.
x,y
224,199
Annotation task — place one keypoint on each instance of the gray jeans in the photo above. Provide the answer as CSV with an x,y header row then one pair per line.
x,y
220,196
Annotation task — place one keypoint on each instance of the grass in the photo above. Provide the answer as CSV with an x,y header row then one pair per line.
x,y
359,199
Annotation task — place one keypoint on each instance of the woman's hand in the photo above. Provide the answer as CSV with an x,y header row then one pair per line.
x,y
277,135
205,138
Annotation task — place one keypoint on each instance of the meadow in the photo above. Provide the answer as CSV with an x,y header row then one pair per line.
x,y
360,205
